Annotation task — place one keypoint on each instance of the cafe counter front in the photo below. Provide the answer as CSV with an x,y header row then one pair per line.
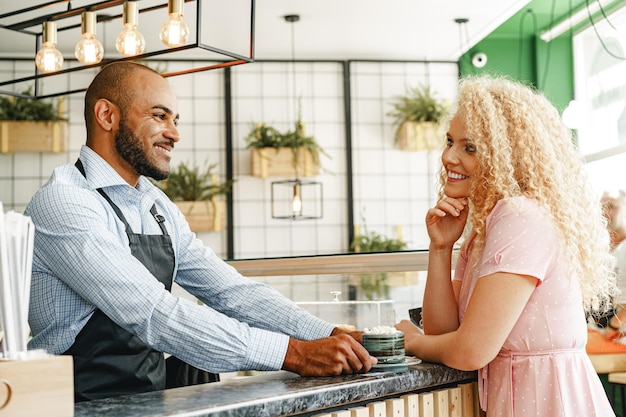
x,y
431,387
418,389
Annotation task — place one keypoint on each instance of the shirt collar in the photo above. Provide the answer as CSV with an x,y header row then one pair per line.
x,y
100,174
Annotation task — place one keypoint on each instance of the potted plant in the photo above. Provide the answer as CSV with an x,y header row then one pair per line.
x,y
32,125
197,193
283,154
417,116
375,285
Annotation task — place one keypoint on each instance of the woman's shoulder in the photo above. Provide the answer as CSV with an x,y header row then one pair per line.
x,y
519,210
518,205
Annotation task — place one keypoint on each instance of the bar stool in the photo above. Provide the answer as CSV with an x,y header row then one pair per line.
x,y
618,380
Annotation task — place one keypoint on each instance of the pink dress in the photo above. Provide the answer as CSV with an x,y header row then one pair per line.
x,y
542,369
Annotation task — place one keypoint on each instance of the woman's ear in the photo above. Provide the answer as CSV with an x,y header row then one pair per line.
x,y
106,114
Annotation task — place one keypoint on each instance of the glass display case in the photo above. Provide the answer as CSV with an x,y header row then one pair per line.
x,y
314,282
353,314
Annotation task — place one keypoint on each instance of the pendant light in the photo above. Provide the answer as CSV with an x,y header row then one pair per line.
x,y
130,41
49,58
88,50
296,199
174,31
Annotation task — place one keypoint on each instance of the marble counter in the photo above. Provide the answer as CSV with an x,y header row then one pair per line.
x,y
275,394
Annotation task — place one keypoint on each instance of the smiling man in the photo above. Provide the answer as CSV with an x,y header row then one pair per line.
x,y
109,245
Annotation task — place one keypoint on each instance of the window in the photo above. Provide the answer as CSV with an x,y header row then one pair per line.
x,y
600,85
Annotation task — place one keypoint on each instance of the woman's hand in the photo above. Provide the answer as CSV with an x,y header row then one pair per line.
x,y
445,222
411,335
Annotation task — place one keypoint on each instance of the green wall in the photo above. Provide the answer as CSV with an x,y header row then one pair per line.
x,y
548,66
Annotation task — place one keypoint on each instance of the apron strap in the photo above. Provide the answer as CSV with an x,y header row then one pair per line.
x,y
159,218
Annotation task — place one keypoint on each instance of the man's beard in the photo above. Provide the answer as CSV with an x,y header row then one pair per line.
x,y
128,146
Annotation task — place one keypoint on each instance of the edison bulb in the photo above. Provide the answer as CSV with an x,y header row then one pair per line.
x,y
130,42
174,31
49,59
296,202
89,50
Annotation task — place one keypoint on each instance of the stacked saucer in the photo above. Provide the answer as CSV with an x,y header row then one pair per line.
x,y
387,348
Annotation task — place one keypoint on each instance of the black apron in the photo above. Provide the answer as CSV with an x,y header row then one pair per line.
x,y
110,361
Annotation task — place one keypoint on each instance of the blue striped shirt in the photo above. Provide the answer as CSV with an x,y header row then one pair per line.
x,y
82,261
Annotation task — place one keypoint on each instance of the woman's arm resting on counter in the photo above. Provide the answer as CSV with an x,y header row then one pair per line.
x,y
495,306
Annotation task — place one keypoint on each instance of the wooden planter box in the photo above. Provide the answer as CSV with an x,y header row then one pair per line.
x,y
204,216
272,162
419,136
23,136
37,387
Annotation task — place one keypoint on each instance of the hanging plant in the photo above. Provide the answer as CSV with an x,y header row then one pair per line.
x,y
187,183
32,125
28,109
263,137
417,116
196,193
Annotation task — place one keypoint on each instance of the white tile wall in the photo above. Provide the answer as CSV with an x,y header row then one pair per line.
x,y
391,188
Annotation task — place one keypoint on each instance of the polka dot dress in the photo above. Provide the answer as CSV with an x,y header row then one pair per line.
x,y
542,368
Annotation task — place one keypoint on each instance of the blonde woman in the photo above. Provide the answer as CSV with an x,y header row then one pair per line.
x,y
535,258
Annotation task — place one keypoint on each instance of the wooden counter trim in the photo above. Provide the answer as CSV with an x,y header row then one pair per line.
x,y
334,264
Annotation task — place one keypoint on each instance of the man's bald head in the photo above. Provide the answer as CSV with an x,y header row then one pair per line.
x,y
114,83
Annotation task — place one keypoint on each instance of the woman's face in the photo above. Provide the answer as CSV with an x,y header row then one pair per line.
x,y
459,160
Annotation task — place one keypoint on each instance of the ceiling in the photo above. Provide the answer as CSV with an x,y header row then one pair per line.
x,y
328,29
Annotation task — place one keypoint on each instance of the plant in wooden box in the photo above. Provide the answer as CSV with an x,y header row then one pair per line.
x,y
31,125
417,116
197,193
280,154
375,285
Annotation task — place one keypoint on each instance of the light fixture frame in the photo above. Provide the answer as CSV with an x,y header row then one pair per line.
x,y
230,58
318,213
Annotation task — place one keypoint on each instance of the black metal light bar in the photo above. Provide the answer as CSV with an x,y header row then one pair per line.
x,y
231,58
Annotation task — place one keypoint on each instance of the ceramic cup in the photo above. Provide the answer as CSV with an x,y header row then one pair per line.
x,y
387,348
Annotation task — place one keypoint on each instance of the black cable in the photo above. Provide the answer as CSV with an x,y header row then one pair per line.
x,y
459,22
521,38
467,63
469,58
595,29
548,52
604,14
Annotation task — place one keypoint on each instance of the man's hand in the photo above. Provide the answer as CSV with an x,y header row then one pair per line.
x,y
334,355
358,336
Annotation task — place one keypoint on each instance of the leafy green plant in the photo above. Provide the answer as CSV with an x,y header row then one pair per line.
x,y
374,242
375,284
263,136
419,105
187,183
28,109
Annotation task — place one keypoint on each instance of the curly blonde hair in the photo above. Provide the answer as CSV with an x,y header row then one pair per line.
x,y
523,149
